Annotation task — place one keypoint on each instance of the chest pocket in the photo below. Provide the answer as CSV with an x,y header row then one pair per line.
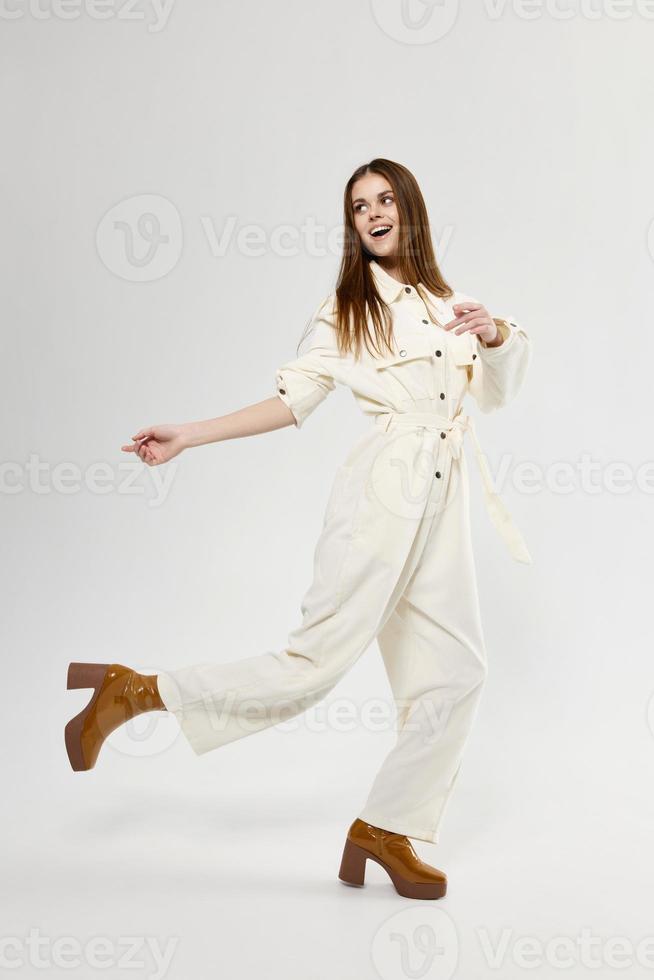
x,y
464,354
410,369
463,348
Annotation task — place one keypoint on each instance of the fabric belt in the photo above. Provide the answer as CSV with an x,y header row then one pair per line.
x,y
456,429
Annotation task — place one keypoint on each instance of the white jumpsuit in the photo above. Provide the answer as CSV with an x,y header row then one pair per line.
x,y
394,559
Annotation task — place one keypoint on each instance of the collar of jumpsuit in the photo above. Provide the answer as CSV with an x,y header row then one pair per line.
x,y
391,290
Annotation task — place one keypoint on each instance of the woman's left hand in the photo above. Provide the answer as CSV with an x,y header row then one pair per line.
x,y
476,319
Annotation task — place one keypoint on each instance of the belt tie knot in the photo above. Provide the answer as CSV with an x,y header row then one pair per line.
x,y
455,430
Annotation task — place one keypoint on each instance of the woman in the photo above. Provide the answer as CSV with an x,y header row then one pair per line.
x,y
394,559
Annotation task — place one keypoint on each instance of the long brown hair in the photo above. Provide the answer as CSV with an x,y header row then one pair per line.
x,y
356,292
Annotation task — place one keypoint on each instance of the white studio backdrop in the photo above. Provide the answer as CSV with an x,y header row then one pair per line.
x,y
172,179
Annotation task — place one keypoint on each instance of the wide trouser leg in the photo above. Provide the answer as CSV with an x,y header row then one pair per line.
x,y
365,555
434,653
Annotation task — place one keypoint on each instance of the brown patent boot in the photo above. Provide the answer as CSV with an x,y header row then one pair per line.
x,y
411,876
120,694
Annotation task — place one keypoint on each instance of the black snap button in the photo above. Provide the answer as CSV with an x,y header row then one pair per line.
x,y
282,391
443,435
437,353
442,394
407,289
425,321
402,353
473,356
438,474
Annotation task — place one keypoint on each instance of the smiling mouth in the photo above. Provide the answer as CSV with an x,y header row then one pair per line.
x,y
381,231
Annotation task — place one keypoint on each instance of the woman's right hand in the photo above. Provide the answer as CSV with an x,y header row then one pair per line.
x,y
157,444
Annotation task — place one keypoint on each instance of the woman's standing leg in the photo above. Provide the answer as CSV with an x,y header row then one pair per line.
x,y
434,652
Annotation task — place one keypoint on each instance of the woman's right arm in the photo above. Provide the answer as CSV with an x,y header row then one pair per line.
x,y
160,443
302,384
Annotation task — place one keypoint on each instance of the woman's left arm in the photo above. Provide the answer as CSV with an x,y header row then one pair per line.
x,y
504,353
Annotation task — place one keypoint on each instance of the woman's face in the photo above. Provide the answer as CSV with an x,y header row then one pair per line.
x,y
373,205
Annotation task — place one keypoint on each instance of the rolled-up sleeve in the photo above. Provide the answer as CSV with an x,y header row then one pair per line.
x,y
498,372
302,384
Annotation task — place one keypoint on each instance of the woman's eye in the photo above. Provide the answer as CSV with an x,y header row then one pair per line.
x,y
388,200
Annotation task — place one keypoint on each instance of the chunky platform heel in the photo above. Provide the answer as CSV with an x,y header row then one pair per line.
x,y
353,864
411,877
120,694
85,675
81,676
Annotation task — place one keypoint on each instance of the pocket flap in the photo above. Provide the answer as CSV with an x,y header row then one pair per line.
x,y
408,347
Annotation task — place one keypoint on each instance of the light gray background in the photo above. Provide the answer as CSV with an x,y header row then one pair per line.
x,y
529,133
